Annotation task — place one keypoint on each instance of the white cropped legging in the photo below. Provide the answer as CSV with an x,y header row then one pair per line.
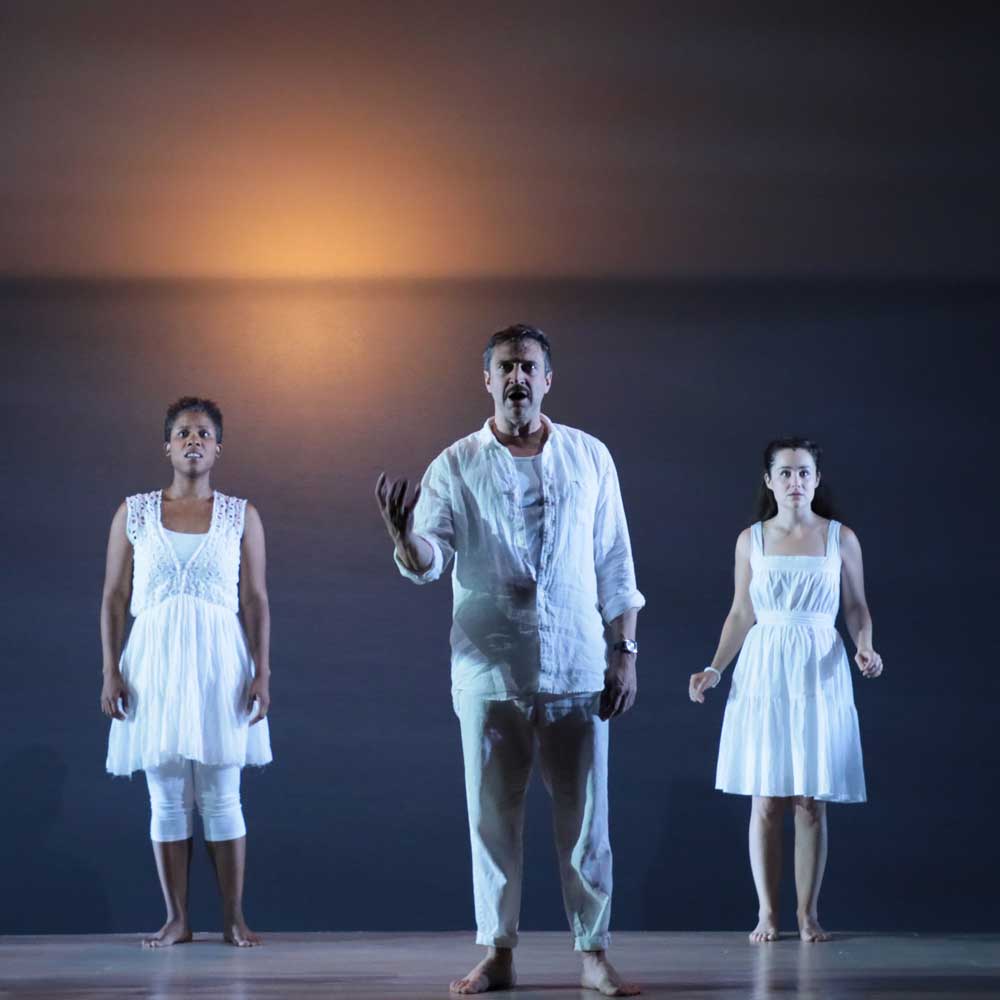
x,y
175,787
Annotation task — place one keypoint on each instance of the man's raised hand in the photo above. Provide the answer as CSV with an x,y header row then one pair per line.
x,y
396,509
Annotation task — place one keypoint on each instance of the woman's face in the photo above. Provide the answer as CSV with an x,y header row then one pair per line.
x,y
192,448
793,479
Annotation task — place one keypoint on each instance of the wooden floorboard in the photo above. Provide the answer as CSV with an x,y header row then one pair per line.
x,y
700,966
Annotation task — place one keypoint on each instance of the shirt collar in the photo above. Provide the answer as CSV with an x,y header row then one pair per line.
x,y
487,437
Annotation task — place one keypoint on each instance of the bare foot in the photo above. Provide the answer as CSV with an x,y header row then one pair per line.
x,y
811,932
172,932
599,974
237,933
495,972
766,930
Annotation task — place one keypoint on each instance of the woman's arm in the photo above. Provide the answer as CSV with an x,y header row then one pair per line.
x,y
856,614
114,604
738,622
255,610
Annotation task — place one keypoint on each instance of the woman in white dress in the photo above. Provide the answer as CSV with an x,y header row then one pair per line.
x,y
189,694
790,733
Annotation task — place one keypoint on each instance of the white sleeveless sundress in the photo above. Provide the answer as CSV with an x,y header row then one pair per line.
x,y
790,726
186,664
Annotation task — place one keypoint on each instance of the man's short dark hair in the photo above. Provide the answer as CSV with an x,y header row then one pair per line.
x,y
518,333
199,405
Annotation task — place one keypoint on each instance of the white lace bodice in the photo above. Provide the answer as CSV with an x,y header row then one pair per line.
x,y
213,571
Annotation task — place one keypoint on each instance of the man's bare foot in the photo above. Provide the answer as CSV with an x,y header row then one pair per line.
x,y
494,972
766,929
237,933
599,974
172,932
811,932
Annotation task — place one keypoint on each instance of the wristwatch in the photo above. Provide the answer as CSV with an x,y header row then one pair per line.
x,y
626,646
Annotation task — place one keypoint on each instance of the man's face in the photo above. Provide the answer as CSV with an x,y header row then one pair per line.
x,y
517,380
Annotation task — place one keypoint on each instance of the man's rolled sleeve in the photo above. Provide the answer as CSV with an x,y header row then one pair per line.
x,y
432,572
432,521
616,589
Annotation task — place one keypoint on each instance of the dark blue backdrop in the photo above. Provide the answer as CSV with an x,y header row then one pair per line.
x,y
360,822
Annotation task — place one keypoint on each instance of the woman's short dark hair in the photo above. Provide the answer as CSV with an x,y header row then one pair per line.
x,y
518,333
767,506
207,406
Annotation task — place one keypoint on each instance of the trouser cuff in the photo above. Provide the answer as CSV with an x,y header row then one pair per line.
x,y
496,940
595,942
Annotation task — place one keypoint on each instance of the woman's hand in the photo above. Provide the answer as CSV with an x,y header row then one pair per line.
x,y
260,692
701,682
113,689
869,662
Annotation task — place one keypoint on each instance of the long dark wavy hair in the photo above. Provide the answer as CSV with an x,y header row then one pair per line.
x,y
822,502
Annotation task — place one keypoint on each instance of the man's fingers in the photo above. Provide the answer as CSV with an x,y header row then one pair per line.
x,y
616,699
402,487
604,710
382,492
619,702
399,495
412,505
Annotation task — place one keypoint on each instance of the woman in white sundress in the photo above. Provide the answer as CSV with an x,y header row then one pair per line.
x,y
790,733
187,697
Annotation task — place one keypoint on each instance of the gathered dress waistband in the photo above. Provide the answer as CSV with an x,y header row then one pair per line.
x,y
811,619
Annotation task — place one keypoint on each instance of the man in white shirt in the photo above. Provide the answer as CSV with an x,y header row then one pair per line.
x,y
532,514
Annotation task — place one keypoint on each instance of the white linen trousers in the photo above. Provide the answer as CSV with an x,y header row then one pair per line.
x,y
498,743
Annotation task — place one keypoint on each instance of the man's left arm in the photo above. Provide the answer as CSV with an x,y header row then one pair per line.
x,y
620,683
617,593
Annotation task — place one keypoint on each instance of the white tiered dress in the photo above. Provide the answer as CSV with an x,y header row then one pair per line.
x,y
790,726
186,664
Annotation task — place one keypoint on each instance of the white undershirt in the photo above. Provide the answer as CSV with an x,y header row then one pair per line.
x,y
529,471
185,544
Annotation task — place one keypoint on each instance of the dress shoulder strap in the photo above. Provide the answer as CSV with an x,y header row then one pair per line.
x,y
757,539
231,511
141,511
833,540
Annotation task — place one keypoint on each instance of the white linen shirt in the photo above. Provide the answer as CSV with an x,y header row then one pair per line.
x,y
520,629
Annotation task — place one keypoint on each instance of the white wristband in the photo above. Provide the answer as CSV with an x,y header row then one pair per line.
x,y
714,671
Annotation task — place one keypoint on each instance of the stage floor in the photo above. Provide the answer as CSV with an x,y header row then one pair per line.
x,y
700,966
